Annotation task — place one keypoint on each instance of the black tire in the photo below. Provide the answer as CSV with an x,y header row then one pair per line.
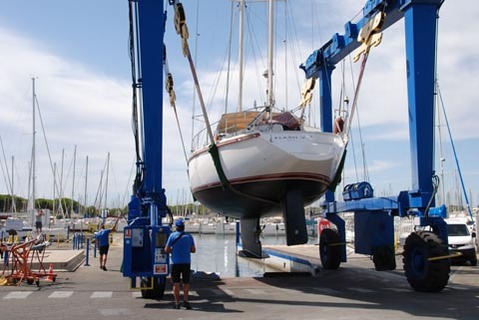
x,y
157,291
330,249
426,275
473,261
384,258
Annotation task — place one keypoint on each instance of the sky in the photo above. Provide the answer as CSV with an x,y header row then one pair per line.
x,y
77,51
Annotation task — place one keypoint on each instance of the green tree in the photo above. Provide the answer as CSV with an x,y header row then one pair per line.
x,y
6,203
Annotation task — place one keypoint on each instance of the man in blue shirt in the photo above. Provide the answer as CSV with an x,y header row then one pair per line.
x,y
180,244
103,240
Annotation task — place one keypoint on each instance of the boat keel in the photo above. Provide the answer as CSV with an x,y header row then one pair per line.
x,y
250,233
293,216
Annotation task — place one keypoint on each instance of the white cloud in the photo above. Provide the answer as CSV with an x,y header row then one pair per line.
x,y
78,107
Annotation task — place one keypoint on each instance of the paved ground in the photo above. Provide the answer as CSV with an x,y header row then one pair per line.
x,y
356,291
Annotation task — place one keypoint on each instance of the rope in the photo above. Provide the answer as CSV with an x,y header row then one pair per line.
x,y
356,92
182,30
370,36
169,85
455,154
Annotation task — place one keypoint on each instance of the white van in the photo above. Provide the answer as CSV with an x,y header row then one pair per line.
x,y
462,240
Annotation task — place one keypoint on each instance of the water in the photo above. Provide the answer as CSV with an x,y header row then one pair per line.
x,y
217,253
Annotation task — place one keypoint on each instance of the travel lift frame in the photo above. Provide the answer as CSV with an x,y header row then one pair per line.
x,y
426,256
427,266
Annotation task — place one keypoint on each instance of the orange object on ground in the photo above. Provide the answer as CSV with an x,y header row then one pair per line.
x,y
51,275
20,261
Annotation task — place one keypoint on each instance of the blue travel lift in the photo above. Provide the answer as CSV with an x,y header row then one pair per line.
x,y
426,256
146,234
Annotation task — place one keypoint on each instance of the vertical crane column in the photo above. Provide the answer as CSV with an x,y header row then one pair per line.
x,y
421,58
151,30
326,107
145,236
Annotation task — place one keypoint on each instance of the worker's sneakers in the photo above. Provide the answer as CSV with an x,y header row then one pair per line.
x,y
104,268
176,306
187,305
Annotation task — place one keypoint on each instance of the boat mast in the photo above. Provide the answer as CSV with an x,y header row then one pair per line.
x,y
54,187
270,56
441,157
106,181
241,46
86,184
60,195
73,181
14,206
33,148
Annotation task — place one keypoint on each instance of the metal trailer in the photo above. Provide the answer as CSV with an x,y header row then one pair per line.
x,y
425,257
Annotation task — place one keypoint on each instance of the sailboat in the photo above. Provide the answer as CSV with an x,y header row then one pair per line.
x,y
51,232
261,163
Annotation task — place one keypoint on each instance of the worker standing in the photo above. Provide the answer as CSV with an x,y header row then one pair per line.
x,y
180,244
38,221
103,240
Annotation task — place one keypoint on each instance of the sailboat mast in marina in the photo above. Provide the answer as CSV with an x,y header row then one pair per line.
x,y
265,161
33,149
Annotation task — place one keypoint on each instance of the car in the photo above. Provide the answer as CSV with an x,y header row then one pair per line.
x,y
462,239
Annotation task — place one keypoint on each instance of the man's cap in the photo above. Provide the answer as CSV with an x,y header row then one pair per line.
x,y
179,223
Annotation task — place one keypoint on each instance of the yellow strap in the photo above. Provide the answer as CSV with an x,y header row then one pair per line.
x,y
337,244
452,255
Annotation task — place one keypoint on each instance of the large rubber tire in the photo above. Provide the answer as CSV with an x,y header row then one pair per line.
x,y
474,261
329,249
158,290
426,275
384,258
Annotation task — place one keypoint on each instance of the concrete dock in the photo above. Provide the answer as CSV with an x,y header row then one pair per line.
x,y
355,291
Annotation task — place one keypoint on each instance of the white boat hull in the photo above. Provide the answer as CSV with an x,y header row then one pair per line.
x,y
261,167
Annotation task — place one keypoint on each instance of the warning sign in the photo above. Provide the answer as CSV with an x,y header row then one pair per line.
x,y
127,233
160,269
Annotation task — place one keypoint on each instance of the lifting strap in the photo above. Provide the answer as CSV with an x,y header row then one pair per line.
x,y
182,30
213,150
169,86
370,35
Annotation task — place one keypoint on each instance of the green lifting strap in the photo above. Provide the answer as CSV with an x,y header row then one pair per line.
x,y
337,177
213,150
